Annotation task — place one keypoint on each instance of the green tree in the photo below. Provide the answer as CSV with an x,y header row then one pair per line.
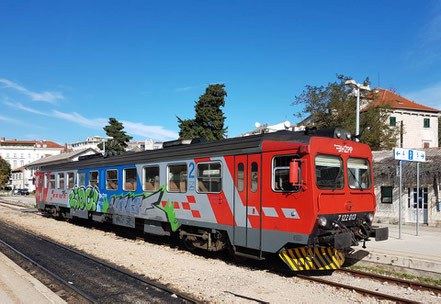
x,y
5,172
119,140
334,106
209,119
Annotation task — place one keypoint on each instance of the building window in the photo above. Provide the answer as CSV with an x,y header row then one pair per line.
x,y
70,180
209,178
240,177
112,179
386,195
177,178
60,180
52,181
426,122
151,178
93,179
81,182
392,121
130,179
426,145
254,183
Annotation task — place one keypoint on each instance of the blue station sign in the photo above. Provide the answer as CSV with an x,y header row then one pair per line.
x,y
409,155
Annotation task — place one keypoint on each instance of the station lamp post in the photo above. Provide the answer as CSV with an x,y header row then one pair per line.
x,y
357,86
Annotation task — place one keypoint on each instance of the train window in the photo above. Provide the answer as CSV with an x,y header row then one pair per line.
x,y
240,177
209,178
151,178
177,178
329,172
254,177
280,181
93,179
81,179
60,181
52,181
112,179
130,179
359,173
70,180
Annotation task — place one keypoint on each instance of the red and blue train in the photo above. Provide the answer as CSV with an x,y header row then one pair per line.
x,y
306,196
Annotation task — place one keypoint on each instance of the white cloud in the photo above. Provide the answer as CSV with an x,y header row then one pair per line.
x,y
50,97
154,132
132,128
19,106
184,89
97,123
429,96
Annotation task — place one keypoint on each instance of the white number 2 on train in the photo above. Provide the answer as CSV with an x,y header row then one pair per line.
x,y
191,166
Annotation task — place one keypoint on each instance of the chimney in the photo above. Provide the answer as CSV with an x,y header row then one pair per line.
x,y
2,139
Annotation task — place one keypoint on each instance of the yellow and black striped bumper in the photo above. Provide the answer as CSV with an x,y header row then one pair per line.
x,y
307,258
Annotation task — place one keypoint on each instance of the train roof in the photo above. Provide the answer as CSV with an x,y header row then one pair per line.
x,y
231,146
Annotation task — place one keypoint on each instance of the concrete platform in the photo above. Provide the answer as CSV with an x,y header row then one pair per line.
x,y
419,255
18,286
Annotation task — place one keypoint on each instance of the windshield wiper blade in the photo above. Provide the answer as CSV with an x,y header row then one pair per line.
x,y
358,182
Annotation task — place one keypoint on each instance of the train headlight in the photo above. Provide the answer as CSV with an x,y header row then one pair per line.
x,y
370,217
322,221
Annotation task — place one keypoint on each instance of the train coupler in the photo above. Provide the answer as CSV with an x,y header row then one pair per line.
x,y
309,258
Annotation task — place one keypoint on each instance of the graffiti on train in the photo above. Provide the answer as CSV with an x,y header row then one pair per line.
x,y
87,198
142,204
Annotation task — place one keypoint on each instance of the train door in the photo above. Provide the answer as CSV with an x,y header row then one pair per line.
x,y
247,201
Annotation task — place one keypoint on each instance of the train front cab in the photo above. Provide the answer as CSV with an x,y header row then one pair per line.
x,y
342,202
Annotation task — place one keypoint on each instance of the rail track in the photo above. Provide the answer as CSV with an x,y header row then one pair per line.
x,y
392,280
93,280
363,291
356,273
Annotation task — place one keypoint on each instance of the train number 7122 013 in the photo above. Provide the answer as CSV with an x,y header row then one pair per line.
x,y
347,217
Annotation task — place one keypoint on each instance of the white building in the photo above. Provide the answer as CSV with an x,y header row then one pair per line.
x,y
267,128
152,145
417,124
19,153
90,142
27,173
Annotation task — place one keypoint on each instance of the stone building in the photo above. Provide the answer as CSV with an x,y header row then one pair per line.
x,y
387,189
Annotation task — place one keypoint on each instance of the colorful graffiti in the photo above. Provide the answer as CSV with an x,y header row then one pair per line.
x,y
141,203
87,198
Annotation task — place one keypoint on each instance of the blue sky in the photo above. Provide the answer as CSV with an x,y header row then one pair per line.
x,y
67,66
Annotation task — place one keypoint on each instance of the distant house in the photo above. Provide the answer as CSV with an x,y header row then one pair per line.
x,y
267,128
31,168
417,124
21,152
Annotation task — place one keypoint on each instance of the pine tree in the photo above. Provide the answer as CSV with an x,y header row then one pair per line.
x,y
334,106
119,140
209,119
5,172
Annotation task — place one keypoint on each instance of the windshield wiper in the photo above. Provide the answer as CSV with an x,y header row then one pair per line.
x,y
358,182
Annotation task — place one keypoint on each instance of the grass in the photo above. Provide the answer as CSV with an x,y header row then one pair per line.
x,y
400,275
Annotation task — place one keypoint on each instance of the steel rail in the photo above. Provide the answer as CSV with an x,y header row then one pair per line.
x,y
397,281
52,274
357,289
132,275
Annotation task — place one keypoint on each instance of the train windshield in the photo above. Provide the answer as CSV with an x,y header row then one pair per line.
x,y
329,172
359,173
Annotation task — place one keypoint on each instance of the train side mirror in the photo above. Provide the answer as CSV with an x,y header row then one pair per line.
x,y
294,176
